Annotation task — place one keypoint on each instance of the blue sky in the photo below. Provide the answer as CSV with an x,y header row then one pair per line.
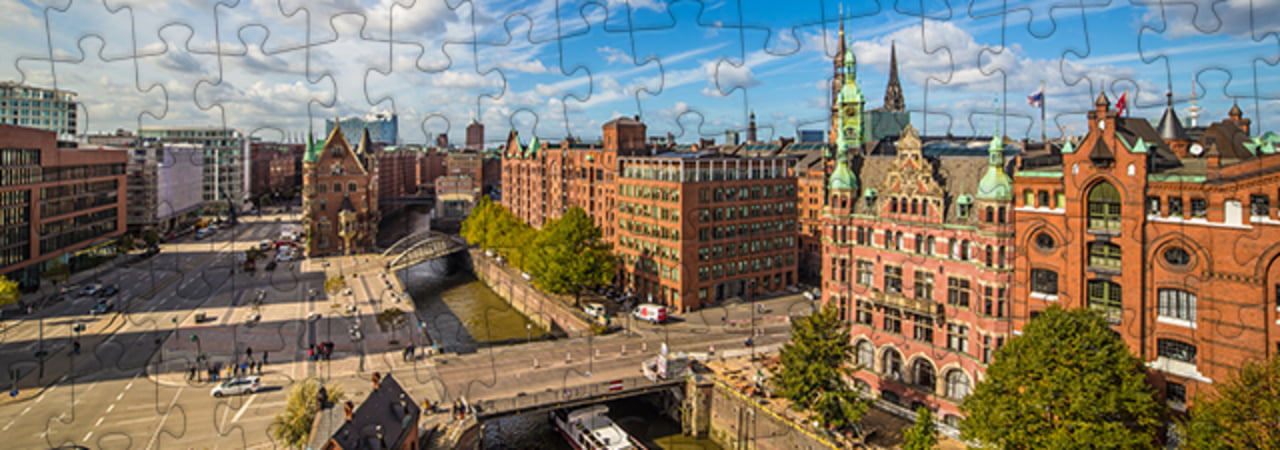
x,y
694,69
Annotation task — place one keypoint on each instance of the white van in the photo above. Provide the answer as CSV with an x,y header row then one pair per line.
x,y
650,312
593,309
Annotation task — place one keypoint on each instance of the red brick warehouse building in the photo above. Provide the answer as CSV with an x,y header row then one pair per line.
x,y
917,257
340,195
1176,240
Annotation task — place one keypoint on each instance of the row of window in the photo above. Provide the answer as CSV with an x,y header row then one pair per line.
x,y
745,229
925,245
19,157
1105,296
730,269
1040,199
717,252
52,174
754,170
82,231
707,215
649,193
658,213
650,248
648,229
733,194
13,255
923,375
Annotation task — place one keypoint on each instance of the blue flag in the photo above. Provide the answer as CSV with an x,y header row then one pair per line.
x,y
1036,99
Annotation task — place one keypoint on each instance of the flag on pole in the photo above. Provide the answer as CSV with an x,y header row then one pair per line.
x,y
1036,99
1122,103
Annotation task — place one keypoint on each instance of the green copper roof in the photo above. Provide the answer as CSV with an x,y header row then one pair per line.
x,y
964,199
534,145
995,184
1069,148
843,179
313,149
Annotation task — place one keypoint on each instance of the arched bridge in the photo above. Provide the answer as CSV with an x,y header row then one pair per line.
x,y
419,247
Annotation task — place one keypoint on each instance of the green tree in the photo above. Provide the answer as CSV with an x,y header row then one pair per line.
x,y
126,243
1067,382
57,271
922,435
1245,412
9,292
483,217
292,426
151,237
334,285
814,369
567,255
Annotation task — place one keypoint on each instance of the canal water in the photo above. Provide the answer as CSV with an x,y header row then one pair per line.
x,y
461,314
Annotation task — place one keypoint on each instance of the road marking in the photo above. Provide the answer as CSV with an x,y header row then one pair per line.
x,y
164,419
6,427
128,386
86,437
112,407
100,419
25,411
119,396
243,409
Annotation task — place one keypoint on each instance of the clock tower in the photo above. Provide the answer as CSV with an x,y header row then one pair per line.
x,y
849,108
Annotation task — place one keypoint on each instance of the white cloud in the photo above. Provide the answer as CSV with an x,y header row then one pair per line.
x,y
613,55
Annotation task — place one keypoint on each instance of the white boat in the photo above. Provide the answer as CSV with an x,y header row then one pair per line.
x,y
590,428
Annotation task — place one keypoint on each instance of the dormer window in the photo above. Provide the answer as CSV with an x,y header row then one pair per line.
x,y
337,169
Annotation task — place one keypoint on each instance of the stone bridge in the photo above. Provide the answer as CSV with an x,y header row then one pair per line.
x,y
420,247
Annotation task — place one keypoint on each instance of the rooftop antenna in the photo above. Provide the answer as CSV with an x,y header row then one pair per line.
x,y
1193,111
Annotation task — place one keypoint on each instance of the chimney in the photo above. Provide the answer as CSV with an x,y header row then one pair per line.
x,y
349,409
377,380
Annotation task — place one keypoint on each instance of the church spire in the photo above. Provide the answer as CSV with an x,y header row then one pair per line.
x,y
893,93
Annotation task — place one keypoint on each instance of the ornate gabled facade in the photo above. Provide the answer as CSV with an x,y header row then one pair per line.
x,y
921,270
1175,240
340,196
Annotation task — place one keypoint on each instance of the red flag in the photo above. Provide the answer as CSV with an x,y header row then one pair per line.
x,y
1122,103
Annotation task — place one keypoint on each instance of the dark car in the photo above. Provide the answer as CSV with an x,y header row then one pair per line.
x,y
108,291
270,265
102,307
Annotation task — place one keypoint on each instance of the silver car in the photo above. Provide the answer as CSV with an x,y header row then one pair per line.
x,y
236,386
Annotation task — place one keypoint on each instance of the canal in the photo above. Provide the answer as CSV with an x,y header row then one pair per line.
x,y
461,314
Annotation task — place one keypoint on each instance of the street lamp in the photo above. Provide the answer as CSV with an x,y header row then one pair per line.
x,y
528,333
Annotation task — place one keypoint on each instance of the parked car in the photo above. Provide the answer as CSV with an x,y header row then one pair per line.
x,y
102,307
594,309
108,291
236,386
650,312
90,289
265,245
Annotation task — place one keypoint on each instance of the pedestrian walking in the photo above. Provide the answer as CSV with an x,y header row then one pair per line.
x,y
75,347
264,356
248,353
311,353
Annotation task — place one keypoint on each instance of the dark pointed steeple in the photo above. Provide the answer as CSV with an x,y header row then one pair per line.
x,y
893,93
1170,127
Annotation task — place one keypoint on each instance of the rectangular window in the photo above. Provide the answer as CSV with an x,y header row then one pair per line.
x,y
1175,349
893,279
958,292
1199,207
863,312
1177,304
1044,281
893,320
1259,205
986,350
1175,207
866,273
923,329
923,285
1104,296
1104,255
1175,393
958,337
1153,206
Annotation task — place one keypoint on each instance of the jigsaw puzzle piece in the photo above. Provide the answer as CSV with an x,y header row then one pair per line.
x,y
270,87
334,60
173,65
25,37
121,102
69,22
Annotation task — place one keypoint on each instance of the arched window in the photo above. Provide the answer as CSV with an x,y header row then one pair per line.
x,y
892,365
1044,200
866,355
929,245
923,375
893,205
964,251
991,214
897,241
1104,207
915,206
957,384
919,242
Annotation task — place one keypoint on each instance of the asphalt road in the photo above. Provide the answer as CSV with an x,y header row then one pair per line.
x,y
107,401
